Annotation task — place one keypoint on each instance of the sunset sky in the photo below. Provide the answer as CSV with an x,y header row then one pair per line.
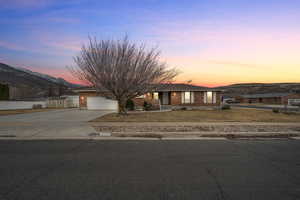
x,y
212,42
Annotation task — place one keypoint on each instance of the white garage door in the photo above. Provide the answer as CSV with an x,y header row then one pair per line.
x,y
101,103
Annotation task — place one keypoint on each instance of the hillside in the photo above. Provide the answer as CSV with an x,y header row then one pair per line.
x,y
260,88
28,84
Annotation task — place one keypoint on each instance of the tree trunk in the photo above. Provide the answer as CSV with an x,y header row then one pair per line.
x,y
122,107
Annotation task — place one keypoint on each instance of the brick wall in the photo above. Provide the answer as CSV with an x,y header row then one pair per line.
x,y
198,99
175,98
139,102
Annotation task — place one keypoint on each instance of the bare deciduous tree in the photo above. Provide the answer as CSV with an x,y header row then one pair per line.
x,y
124,69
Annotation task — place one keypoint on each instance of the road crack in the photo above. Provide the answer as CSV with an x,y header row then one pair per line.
x,y
217,182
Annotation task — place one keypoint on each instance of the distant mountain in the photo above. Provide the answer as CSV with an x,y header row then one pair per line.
x,y
49,78
31,84
260,88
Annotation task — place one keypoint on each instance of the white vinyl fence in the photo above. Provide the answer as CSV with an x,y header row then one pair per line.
x,y
14,105
73,101
63,102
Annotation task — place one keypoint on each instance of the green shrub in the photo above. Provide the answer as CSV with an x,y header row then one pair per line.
x,y
37,106
130,105
225,107
275,110
4,92
147,106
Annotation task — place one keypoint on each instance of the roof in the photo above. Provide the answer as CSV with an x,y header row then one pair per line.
x,y
266,95
182,87
168,87
88,89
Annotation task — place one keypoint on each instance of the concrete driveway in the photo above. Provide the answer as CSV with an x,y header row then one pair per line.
x,y
58,123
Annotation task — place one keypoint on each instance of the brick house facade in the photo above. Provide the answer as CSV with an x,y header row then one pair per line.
x,y
176,99
171,95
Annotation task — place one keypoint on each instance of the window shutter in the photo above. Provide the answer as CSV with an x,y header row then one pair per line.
x,y
205,97
182,97
192,97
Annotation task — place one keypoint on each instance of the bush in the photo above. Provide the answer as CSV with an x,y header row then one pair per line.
x,y
183,108
275,110
147,106
37,106
225,107
130,105
4,92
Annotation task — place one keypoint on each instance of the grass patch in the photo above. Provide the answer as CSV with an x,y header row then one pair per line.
x,y
233,136
234,115
147,135
23,111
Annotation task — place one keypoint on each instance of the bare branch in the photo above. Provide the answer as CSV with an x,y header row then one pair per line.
x,y
123,68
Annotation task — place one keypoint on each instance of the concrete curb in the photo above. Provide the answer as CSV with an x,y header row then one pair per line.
x,y
112,138
144,138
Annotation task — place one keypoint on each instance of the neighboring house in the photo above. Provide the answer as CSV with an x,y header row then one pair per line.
x,y
270,98
167,95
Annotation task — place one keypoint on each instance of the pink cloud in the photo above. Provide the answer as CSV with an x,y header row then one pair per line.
x,y
62,47
63,19
73,45
12,46
63,42
56,72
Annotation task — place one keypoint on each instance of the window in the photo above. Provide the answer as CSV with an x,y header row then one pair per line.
x,y
155,95
187,97
210,97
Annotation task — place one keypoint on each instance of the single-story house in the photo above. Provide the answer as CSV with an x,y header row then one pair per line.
x,y
165,95
270,98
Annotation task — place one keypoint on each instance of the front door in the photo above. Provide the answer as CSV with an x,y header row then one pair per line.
x,y
165,98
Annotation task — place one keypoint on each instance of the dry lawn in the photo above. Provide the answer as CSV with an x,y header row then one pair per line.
x,y
234,115
23,111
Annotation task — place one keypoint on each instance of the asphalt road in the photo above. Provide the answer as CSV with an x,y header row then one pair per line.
x,y
163,170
